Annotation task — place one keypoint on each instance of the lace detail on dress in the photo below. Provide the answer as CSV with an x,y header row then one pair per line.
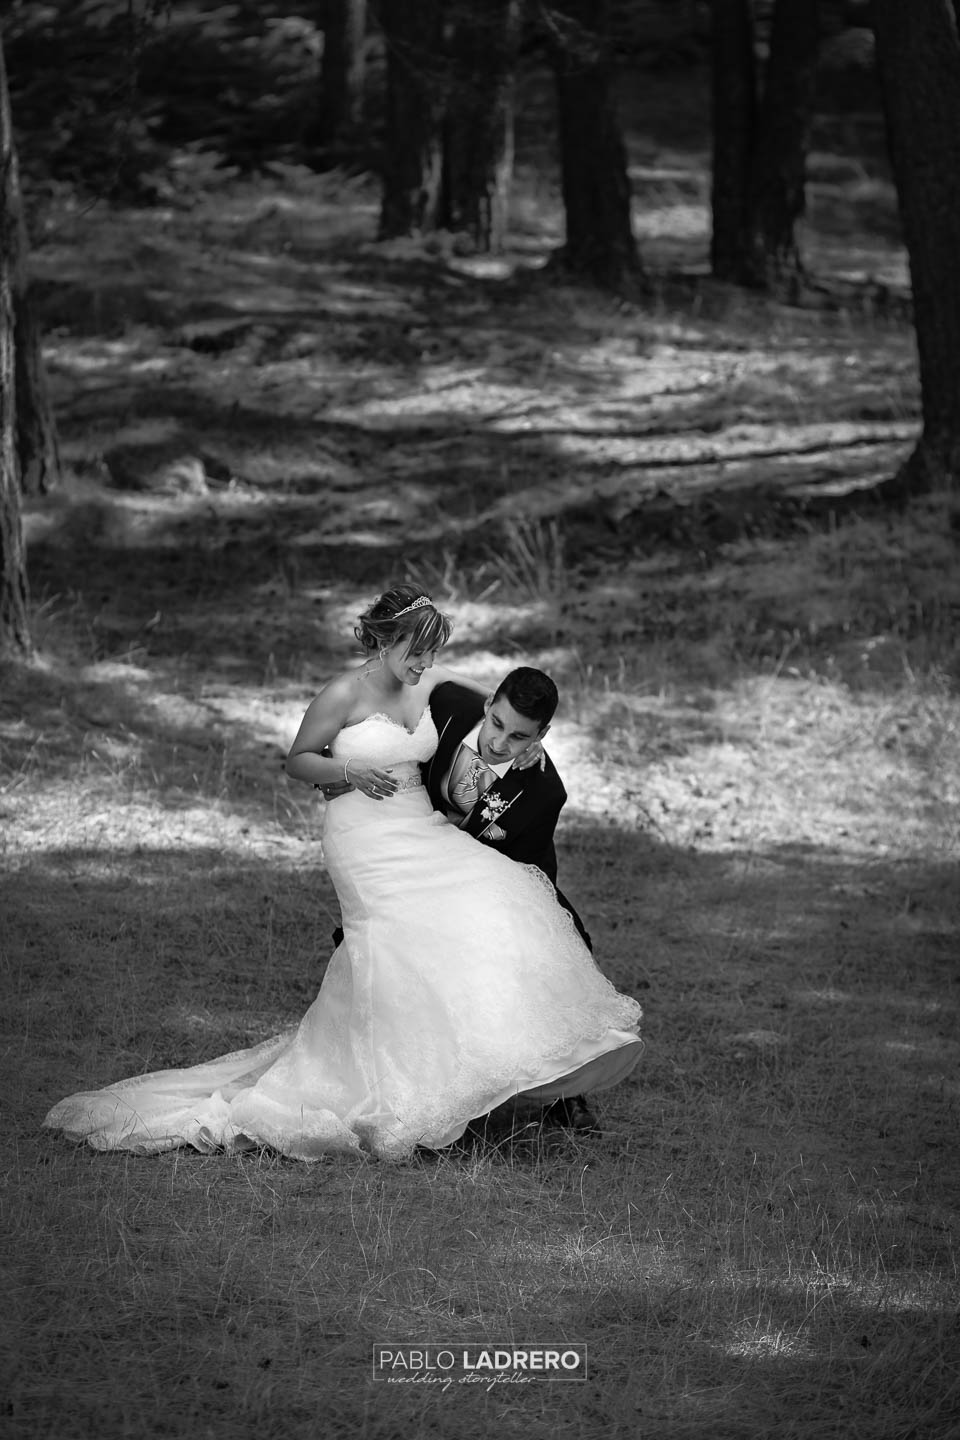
x,y
524,997
382,715
381,740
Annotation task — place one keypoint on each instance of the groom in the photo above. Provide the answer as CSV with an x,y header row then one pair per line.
x,y
471,778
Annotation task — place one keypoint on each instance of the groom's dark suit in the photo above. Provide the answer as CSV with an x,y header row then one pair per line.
x,y
530,800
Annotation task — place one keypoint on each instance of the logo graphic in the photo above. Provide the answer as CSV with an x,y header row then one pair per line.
x,y
452,1362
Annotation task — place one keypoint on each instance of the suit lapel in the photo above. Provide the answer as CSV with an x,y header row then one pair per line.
x,y
436,768
530,791
509,788
455,713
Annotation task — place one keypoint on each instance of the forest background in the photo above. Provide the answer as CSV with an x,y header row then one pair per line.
x,y
669,489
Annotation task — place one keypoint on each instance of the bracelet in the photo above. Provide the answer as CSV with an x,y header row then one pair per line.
x,y
346,777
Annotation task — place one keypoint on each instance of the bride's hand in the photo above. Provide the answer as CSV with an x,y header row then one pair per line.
x,y
533,755
377,784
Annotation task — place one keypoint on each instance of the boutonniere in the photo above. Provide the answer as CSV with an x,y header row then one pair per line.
x,y
493,806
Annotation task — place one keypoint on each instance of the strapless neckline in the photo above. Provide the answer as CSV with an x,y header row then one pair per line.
x,y
382,715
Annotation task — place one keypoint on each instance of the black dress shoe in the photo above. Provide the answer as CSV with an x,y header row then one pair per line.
x,y
572,1113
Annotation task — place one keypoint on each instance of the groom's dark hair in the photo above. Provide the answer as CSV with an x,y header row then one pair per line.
x,y
530,692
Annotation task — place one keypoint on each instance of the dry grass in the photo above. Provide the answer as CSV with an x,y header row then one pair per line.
x,y
761,739
764,1241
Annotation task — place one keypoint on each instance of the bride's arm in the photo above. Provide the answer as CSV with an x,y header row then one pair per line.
x,y
440,675
324,719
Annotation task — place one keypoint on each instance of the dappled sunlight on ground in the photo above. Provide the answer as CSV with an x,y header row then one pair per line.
x,y
263,354
267,416
771,762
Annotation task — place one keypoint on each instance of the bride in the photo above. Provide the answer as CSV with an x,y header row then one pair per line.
x,y
460,983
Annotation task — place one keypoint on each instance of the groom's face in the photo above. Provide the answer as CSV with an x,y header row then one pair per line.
x,y
505,732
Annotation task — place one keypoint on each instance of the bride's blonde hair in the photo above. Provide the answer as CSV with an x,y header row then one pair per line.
x,y
403,613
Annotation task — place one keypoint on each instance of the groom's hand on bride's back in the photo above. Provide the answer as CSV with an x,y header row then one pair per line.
x,y
338,787
332,792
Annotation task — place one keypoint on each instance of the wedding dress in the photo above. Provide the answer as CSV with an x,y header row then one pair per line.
x,y
460,983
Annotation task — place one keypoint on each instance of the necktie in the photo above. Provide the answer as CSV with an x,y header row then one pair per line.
x,y
471,780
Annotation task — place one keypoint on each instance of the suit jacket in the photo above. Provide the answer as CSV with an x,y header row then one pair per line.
x,y
531,799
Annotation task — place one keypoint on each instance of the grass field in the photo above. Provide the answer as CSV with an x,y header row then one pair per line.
x,y
267,417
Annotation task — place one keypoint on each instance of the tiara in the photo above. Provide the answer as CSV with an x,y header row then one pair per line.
x,y
417,604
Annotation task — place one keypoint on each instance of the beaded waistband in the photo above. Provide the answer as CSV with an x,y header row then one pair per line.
x,y
409,782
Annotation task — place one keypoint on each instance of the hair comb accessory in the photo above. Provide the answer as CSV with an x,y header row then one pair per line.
x,y
417,604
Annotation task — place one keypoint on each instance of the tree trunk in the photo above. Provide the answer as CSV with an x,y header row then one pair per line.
x,y
478,137
340,111
14,626
734,135
38,454
778,178
417,83
918,57
35,434
600,245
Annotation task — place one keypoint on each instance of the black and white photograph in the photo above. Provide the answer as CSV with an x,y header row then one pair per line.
x,y
480,719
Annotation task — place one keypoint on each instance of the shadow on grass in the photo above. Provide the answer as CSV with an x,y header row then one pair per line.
x,y
753,970
274,407
763,1238
762,1359
120,723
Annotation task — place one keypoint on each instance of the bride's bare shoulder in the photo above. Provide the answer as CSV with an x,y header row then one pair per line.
x,y
339,694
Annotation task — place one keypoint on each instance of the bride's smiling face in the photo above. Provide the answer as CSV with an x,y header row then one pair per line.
x,y
408,668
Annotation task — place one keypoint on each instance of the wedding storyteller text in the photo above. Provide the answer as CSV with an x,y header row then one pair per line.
x,y
461,1364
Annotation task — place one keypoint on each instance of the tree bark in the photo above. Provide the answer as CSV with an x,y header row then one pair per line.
x,y
38,453
760,144
600,245
14,625
778,174
35,434
417,83
340,111
918,57
734,77
478,137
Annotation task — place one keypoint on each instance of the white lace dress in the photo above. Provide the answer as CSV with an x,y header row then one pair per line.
x,y
461,982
